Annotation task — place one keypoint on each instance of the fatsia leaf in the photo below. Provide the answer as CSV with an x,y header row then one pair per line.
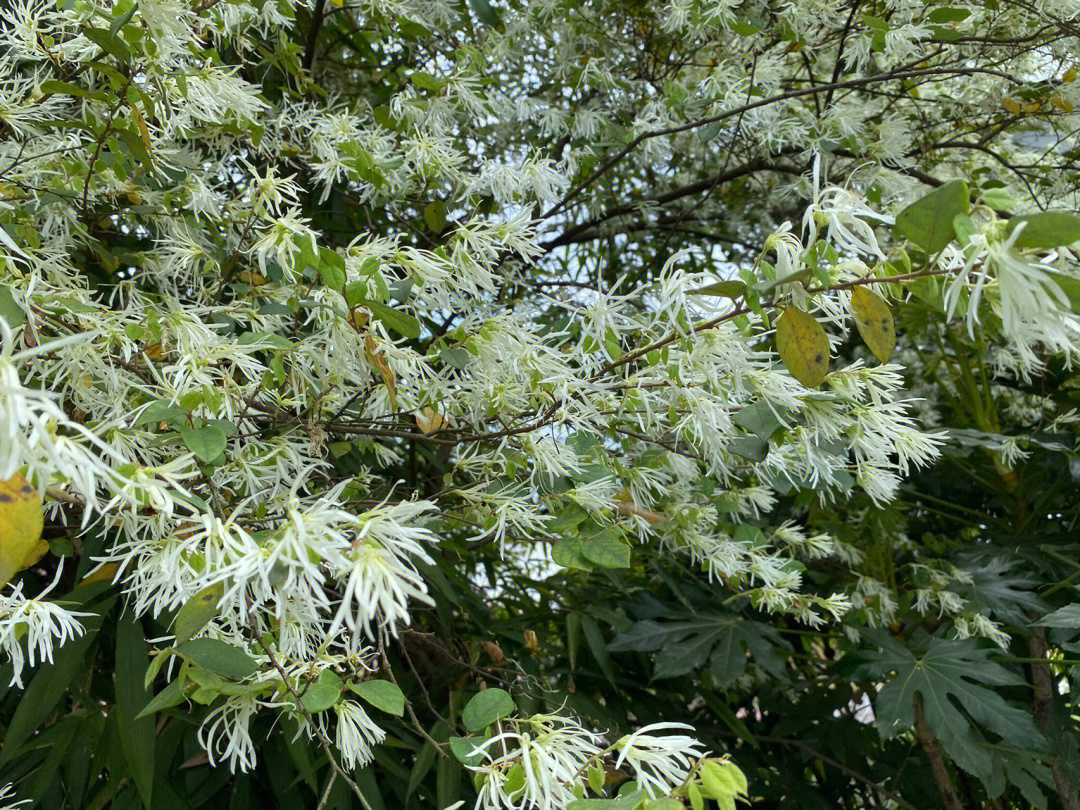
x,y
1001,586
952,678
803,346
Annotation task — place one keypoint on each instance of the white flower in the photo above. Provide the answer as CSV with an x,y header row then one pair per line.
x,y
45,624
7,792
356,734
552,751
659,764
224,734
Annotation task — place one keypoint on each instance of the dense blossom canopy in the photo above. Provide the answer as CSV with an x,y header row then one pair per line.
x,y
596,401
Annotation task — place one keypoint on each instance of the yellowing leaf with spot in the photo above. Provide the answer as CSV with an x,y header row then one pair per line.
x,y
874,321
429,421
803,346
21,522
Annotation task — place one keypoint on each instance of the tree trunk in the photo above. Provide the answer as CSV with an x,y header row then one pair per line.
x,y
932,748
1042,706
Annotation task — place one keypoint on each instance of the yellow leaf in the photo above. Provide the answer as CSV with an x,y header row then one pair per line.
x,y
21,522
384,368
1011,105
875,322
803,346
1062,104
103,574
429,421
628,508
144,133
1069,75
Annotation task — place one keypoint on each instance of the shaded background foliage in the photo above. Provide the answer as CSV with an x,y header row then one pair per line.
x,y
821,717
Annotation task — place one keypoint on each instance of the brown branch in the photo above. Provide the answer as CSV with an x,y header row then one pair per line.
x,y
932,748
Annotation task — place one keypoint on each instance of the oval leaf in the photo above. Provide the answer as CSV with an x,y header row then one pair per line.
x,y
803,346
607,551
1048,229
486,708
874,321
324,693
21,522
929,222
196,612
217,656
383,695
206,443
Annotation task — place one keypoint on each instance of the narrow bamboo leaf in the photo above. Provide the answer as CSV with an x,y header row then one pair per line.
x,y
137,739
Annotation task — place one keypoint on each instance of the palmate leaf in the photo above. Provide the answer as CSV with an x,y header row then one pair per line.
x,y
999,586
723,639
951,679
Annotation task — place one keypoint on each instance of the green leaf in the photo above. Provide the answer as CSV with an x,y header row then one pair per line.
x,y
10,311
435,216
324,693
383,695
1045,230
463,750
137,740
161,410
332,269
760,418
275,341
949,676
56,87
486,708
1067,617
607,551
568,554
484,12
722,289
948,15
425,81
928,222
171,695
401,323
217,656
455,358
206,443
111,44
197,612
